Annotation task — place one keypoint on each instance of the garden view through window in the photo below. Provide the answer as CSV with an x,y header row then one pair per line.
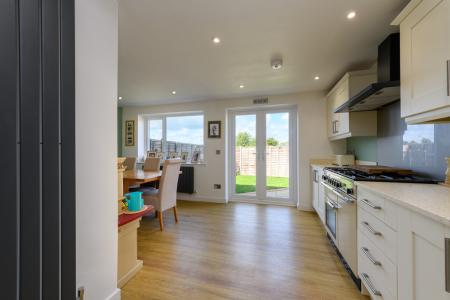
x,y
273,156
178,136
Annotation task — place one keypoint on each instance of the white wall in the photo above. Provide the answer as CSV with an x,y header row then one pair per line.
x,y
96,147
312,137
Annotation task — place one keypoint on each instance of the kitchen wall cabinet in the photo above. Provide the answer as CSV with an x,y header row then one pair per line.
x,y
425,61
344,125
318,192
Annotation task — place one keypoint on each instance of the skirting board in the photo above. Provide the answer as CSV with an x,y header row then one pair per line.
x,y
121,282
114,296
199,198
264,202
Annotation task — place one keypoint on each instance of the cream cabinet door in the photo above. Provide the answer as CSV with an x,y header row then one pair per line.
x,y
421,258
425,52
315,189
321,198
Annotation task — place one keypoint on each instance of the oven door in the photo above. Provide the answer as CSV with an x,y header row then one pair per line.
x,y
331,217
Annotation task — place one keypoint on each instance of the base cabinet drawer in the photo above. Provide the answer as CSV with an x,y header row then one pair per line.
x,y
383,237
379,207
377,265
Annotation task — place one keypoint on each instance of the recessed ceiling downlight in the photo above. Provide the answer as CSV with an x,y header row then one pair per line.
x,y
351,15
241,86
216,40
316,78
276,63
120,98
174,92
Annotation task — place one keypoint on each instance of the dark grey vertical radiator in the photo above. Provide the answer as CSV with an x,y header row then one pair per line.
x,y
186,180
37,129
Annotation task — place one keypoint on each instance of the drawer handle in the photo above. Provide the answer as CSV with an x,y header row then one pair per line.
x,y
368,203
370,284
371,229
448,77
447,265
370,257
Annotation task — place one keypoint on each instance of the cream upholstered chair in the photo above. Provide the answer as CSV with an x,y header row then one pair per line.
x,y
152,164
130,163
166,196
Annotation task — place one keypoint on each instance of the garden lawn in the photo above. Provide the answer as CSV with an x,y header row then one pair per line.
x,y
247,184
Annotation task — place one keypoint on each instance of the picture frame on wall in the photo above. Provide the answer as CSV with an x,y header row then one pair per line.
x,y
129,133
214,129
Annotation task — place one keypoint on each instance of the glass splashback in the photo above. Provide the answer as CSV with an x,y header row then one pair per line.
x,y
422,148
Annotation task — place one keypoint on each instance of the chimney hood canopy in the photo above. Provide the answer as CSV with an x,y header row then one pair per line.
x,y
387,89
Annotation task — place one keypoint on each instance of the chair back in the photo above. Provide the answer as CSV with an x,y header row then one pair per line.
x,y
152,164
130,163
169,182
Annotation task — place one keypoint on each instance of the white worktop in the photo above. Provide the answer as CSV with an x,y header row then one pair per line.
x,y
431,200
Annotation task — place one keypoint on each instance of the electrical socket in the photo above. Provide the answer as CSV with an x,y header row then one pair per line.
x,y
217,186
217,152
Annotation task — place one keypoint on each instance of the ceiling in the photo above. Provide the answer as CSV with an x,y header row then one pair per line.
x,y
166,45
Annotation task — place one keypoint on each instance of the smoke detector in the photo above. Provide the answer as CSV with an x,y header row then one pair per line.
x,y
276,63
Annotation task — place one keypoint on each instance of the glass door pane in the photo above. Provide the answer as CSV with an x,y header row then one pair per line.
x,y
245,155
277,155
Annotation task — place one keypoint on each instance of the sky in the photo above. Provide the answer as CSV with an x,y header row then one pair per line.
x,y
417,132
277,125
183,129
189,129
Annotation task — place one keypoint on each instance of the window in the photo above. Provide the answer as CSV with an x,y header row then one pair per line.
x,y
172,136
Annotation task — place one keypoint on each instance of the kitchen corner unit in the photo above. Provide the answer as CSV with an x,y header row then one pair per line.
x,y
348,124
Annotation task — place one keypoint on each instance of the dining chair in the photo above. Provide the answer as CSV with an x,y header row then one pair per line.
x,y
152,164
165,197
130,163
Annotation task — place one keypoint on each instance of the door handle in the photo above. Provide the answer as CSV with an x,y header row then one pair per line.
x,y
447,265
448,77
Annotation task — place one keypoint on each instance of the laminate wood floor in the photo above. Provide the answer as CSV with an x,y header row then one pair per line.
x,y
237,251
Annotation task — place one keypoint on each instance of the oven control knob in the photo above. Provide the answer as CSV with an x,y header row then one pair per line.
x,y
338,184
349,191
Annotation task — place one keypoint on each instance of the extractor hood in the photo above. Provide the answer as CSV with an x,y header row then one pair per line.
x,y
387,89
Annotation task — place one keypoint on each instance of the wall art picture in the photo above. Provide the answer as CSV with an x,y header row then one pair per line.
x,y
214,129
129,133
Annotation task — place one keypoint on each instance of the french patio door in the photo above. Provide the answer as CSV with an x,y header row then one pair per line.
x,y
262,155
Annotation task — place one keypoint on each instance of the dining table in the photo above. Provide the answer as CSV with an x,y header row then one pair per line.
x,y
133,177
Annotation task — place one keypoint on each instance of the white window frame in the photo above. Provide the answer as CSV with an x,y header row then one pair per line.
x,y
163,117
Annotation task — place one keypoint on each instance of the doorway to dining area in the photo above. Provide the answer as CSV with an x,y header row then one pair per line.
x,y
262,153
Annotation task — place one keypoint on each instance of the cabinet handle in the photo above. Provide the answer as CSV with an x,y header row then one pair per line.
x,y
448,77
371,229
370,284
447,265
370,257
370,204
